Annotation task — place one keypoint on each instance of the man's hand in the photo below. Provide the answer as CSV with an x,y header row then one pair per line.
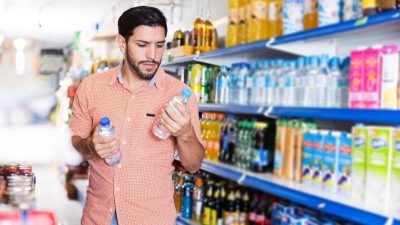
x,y
179,126
104,146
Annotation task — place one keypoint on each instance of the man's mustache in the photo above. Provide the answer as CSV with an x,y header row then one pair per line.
x,y
149,61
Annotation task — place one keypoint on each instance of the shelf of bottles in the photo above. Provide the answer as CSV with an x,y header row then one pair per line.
x,y
257,50
342,114
297,192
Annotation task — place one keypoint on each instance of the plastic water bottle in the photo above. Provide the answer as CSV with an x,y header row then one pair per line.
x,y
222,91
158,129
232,84
298,81
313,71
106,129
334,88
321,84
289,87
242,75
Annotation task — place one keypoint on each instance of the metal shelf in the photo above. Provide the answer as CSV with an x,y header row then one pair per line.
x,y
358,115
299,193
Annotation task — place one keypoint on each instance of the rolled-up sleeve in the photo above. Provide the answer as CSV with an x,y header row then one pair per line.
x,y
81,121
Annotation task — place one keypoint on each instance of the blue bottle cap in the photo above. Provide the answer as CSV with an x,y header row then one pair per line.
x,y
105,121
186,93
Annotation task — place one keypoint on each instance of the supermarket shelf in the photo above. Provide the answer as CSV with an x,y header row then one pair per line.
x,y
345,114
346,33
299,193
183,221
335,29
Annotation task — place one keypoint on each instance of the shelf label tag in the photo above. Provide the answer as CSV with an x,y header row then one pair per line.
x,y
241,179
270,42
268,111
361,21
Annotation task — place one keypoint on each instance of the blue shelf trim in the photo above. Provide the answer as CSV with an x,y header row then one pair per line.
x,y
351,25
331,207
357,115
396,222
179,60
181,221
234,49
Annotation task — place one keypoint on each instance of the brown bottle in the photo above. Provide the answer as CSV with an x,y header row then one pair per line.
x,y
370,7
387,5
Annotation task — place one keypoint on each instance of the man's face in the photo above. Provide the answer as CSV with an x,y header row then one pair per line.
x,y
144,50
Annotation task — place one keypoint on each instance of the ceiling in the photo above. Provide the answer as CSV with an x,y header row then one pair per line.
x,y
53,22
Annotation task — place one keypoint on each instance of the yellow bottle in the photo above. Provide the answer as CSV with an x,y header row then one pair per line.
x,y
198,33
275,18
258,24
232,31
208,34
206,137
310,14
241,34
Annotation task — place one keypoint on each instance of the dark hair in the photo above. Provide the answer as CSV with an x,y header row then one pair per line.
x,y
137,16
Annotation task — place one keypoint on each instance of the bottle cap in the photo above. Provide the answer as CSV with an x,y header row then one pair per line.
x,y
104,121
186,93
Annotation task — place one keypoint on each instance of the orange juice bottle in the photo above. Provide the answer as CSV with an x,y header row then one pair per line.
x,y
275,18
258,24
233,23
310,14
206,137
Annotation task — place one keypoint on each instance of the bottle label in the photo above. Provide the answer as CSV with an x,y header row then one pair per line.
x,y
310,6
214,216
242,218
275,11
206,216
259,10
369,4
229,218
260,157
187,207
278,160
249,82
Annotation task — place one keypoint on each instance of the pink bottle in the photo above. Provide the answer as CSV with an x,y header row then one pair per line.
x,y
356,87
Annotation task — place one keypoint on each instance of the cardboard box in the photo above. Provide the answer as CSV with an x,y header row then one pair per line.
x,y
390,77
359,161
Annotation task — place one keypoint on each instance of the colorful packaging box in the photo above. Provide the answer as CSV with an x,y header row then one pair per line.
x,y
293,11
330,161
373,77
345,165
379,150
356,86
308,154
359,164
318,145
390,77
395,182
329,12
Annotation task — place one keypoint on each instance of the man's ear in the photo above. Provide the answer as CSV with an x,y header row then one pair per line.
x,y
121,43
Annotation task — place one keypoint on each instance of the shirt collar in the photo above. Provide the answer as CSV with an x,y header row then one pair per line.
x,y
156,80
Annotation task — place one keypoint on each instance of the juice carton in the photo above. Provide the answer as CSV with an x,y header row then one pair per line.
x,y
330,161
379,148
356,86
373,77
390,77
395,204
359,164
298,147
352,9
329,12
308,154
293,11
318,145
345,165
280,143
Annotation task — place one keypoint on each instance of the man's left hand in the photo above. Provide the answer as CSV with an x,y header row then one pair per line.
x,y
179,126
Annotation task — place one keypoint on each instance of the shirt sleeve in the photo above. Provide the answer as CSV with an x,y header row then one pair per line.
x,y
81,122
194,114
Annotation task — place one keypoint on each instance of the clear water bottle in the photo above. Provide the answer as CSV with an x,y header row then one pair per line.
x,y
232,84
221,86
334,89
158,129
321,84
106,129
313,71
242,75
289,85
299,81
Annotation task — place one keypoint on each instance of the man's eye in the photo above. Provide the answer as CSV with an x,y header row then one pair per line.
x,y
160,46
141,45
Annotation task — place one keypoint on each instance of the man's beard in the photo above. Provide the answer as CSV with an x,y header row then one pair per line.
x,y
140,73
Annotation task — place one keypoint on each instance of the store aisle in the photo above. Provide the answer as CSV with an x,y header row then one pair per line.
x,y
51,195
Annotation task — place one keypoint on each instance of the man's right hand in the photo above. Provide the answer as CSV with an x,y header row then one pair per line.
x,y
104,146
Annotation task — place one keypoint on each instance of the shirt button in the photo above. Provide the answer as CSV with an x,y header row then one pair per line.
x,y
117,188
124,142
133,96
120,165
110,210
128,119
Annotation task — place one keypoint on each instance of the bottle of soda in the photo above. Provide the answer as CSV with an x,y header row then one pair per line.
x,y
244,210
253,209
216,207
230,210
198,199
208,203
232,136
260,158
238,204
187,199
159,130
178,194
106,129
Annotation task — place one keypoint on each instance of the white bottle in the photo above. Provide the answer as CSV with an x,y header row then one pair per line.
x,y
106,129
158,129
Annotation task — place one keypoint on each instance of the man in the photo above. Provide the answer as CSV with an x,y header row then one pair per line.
x,y
139,190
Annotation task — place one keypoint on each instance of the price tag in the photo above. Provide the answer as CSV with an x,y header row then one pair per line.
x,y
241,179
361,21
270,42
268,111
